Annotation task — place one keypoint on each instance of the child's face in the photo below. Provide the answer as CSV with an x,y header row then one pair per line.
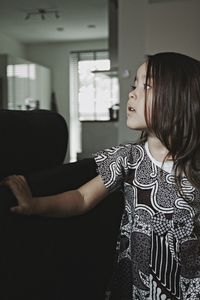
x,y
136,102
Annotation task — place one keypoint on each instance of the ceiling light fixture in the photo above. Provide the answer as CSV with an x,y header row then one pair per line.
x,y
60,28
42,12
91,26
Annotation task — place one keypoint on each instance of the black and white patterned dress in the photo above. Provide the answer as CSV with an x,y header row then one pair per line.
x,y
158,255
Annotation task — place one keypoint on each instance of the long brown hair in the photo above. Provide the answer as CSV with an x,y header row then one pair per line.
x,y
175,113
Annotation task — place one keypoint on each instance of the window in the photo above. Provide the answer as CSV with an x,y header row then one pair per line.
x,y
94,93
98,88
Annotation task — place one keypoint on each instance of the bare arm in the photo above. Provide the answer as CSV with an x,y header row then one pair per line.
x,y
69,203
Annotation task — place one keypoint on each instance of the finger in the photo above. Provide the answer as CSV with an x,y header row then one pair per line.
x,y
21,179
5,179
17,181
8,180
17,210
22,184
20,210
11,180
14,180
16,186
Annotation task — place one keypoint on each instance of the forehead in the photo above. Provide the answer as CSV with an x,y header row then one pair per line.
x,y
142,71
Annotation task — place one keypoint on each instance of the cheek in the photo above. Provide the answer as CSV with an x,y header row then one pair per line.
x,y
149,110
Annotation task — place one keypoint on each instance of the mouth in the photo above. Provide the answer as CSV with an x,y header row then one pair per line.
x,y
131,109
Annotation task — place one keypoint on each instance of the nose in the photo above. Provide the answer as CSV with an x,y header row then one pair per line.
x,y
132,95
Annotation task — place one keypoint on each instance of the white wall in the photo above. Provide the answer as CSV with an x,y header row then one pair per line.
x,y
11,46
97,136
131,53
173,26
146,28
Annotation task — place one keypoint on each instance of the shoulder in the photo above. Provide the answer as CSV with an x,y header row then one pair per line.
x,y
129,151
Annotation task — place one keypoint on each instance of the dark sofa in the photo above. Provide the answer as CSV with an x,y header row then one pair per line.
x,y
51,258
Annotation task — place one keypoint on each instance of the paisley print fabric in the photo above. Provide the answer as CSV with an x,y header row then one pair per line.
x,y
158,254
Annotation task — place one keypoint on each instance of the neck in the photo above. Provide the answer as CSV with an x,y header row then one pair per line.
x,y
156,148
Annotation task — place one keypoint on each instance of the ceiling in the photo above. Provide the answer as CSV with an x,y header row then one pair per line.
x,y
79,20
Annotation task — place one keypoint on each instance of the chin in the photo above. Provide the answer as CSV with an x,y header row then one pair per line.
x,y
131,124
135,126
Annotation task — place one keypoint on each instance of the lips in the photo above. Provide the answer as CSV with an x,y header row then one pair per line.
x,y
131,108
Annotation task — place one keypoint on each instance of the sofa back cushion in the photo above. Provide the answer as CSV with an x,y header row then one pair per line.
x,y
31,140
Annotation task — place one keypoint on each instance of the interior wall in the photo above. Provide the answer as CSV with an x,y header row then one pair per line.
x,y
11,46
147,28
173,26
97,136
131,45
56,57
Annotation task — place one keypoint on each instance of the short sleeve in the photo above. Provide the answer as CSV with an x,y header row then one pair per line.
x,y
116,163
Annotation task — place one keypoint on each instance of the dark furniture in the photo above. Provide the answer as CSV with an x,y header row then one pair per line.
x,y
51,258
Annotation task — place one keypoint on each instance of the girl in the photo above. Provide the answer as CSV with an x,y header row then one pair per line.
x,y
158,253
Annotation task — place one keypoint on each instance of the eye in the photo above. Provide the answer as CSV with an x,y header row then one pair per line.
x,y
133,87
147,86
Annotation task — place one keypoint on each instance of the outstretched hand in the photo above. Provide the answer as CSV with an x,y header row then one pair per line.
x,y
22,192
